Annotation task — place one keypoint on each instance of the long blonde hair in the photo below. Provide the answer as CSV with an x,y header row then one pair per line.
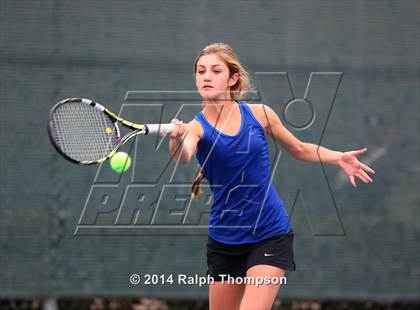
x,y
226,53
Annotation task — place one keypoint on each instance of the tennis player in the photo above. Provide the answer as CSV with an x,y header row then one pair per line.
x,y
249,233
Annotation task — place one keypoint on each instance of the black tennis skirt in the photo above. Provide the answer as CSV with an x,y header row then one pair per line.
x,y
236,259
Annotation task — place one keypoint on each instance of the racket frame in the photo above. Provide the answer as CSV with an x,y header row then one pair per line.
x,y
139,129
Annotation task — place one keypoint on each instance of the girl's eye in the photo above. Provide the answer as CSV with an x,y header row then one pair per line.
x,y
216,71
200,72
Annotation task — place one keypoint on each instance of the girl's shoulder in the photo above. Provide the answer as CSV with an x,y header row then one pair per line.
x,y
195,128
258,110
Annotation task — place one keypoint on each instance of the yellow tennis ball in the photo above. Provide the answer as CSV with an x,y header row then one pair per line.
x,y
120,162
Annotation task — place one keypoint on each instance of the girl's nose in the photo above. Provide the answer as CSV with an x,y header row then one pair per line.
x,y
207,76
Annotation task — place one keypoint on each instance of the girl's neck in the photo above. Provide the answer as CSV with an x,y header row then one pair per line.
x,y
219,109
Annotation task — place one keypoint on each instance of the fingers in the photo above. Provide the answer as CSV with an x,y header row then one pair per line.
x,y
366,176
367,168
179,129
352,181
362,175
361,151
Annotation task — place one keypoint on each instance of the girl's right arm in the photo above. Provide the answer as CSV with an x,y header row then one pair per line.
x,y
184,139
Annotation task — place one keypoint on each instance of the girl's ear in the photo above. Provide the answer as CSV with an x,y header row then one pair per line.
x,y
233,79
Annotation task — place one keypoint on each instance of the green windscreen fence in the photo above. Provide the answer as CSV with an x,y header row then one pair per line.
x,y
344,74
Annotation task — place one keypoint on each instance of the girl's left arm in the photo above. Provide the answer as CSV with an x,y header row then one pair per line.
x,y
347,161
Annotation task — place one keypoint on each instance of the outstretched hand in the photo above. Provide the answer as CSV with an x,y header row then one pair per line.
x,y
354,168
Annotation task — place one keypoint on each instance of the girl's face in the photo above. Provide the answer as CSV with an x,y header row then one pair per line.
x,y
213,79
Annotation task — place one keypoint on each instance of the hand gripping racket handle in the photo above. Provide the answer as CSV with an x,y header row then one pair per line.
x,y
162,128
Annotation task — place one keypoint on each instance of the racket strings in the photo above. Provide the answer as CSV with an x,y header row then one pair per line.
x,y
83,132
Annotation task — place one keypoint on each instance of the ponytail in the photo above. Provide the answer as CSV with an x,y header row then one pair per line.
x,y
195,186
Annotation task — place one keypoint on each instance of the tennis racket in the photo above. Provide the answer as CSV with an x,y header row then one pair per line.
x,y
85,132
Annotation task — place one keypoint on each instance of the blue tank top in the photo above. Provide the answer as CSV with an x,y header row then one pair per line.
x,y
246,207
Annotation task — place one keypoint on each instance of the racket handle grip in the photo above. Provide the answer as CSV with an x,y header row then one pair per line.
x,y
163,128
